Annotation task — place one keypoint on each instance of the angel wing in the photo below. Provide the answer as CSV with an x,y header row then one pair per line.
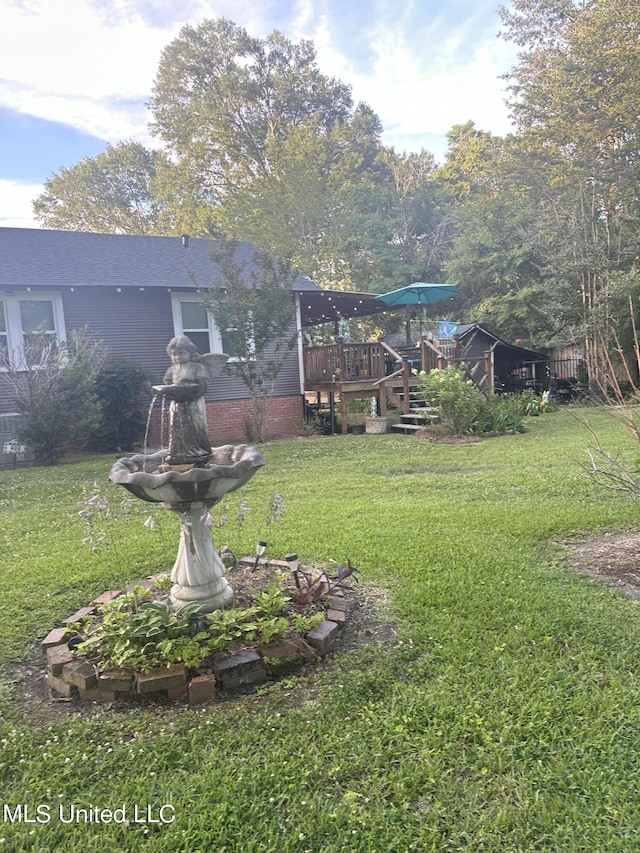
x,y
214,362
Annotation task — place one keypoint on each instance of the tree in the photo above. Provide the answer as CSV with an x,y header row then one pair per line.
x,y
471,164
302,210
254,306
118,387
221,97
422,223
574,95
112,193
53,386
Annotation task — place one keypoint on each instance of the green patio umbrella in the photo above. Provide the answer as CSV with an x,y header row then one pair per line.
x,y
419,293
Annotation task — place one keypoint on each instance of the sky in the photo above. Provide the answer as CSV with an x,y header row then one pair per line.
x,y
75,75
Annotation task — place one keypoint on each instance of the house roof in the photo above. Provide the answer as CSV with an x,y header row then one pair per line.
x,y
56,259
512,350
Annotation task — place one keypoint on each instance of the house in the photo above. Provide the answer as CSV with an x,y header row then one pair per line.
x,y
135,293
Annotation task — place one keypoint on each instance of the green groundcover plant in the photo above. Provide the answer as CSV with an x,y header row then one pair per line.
x,y
135,632
491,703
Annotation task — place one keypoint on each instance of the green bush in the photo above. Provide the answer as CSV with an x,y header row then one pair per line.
x,y
118,387
506,414
465,410
53,386
463,407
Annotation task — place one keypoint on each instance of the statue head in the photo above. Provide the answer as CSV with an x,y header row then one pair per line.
x,y
181,342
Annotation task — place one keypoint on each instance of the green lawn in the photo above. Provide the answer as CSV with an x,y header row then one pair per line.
x,y
504,716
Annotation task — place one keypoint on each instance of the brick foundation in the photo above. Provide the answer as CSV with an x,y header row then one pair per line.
x,y
227,419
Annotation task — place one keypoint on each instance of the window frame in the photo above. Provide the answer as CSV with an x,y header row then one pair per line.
x,y
13,319
215,338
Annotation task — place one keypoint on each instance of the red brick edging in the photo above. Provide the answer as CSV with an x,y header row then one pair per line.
x,y
70,677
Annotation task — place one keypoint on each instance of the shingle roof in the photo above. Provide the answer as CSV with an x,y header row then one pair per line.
x,y
32,256
465,329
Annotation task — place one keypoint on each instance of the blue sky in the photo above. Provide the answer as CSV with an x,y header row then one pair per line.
x,y
75,74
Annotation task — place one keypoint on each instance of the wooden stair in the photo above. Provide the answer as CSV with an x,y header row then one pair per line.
x,y
415,418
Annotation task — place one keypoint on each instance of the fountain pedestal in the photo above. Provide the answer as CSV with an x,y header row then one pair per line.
x,y
190,476
198,573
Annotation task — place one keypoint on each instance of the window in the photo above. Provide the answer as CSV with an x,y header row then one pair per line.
x,y
194,322
191,318
26,316
230,341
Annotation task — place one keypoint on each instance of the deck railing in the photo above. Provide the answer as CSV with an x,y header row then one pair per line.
x,y
346,362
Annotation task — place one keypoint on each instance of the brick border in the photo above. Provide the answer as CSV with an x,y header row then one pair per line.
x,y
72,677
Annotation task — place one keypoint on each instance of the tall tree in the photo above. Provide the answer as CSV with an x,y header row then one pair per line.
x,y
302,209
220,97
471,160
574,96
112,193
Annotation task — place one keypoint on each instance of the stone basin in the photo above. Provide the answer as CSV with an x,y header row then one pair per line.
x,y
229,468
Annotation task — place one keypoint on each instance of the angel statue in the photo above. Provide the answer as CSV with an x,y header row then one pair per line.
x,y
185,384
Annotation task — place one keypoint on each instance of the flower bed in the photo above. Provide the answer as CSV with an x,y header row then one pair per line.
x,y
128,644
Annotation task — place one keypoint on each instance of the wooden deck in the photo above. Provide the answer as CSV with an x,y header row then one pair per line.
x,y
340,373
343,372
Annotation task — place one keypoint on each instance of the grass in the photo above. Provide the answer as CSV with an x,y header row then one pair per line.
x,y
505,714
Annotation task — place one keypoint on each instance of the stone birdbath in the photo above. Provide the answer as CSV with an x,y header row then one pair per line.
x,y
190,477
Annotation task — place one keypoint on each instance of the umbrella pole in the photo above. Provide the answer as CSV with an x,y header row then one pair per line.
x,y
407,323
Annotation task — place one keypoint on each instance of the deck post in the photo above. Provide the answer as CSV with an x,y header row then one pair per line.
x,y
343,411
489,369
342,361
406,402
382,400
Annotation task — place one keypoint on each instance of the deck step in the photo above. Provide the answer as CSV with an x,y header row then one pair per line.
x,y
415,419
406,428
429,413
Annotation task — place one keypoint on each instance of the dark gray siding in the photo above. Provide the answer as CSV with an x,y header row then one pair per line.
x,y
6,398
138,325
133,323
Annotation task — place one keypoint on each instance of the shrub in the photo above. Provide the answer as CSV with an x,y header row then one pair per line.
x,y
463,407
506,414
53,385
118,386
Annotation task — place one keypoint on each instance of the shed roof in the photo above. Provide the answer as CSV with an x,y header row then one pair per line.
x,y
513,351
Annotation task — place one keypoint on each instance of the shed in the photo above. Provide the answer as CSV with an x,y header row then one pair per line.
x,y
514,368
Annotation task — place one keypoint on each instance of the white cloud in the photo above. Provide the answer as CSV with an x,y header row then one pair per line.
x,y
60,61
15,204
91,63
419,95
